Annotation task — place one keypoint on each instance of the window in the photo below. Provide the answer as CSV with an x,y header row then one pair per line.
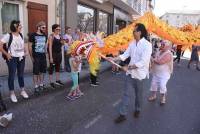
x,y
9,12
85,19
103,22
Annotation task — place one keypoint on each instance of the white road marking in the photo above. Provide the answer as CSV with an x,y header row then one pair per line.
x,y
93,121
116,103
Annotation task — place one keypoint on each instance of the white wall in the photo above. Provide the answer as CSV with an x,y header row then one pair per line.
x,y
179,20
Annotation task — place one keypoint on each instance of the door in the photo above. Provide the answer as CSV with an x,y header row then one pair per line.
x,y
36,13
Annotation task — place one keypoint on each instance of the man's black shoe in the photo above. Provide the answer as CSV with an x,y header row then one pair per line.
x,y
43,88
120,119
37,91
58,82
136,114
53,85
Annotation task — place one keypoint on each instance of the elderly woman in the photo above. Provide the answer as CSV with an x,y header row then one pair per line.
x,y
162,67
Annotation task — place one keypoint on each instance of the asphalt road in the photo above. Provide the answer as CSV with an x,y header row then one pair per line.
x,y
94,113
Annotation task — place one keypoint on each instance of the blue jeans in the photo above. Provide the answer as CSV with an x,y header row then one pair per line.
x,y
13,65
74,76
130,85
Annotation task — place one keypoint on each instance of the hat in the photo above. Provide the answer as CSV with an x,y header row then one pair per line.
x,y
41,23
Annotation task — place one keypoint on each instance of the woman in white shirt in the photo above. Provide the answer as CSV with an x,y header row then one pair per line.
x,y
162,67
14,53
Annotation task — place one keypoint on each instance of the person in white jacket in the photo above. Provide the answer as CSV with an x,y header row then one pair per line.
x,y
162,68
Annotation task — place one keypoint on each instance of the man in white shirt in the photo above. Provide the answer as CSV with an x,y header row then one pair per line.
x,y
137,71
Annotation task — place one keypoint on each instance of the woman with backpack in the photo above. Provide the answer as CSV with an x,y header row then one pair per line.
x,y
14,51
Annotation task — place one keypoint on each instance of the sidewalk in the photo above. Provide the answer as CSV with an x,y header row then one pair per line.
x,y
28,80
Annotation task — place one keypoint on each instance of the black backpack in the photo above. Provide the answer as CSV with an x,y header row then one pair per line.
x,y
5,47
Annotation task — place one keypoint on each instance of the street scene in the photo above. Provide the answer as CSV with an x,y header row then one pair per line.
x,y
99,67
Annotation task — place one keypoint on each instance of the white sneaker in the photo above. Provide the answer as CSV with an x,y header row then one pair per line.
x,y
8,116
24,94
94,85
13,98
3,122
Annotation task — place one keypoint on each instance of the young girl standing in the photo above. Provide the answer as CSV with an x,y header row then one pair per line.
x,y
75,92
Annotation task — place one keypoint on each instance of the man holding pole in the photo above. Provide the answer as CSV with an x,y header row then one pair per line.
x,y
137,71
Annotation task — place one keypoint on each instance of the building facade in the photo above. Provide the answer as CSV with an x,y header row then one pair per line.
x,y
103,15
181,18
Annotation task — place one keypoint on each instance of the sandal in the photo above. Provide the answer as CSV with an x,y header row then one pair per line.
x,y
163,100
152,98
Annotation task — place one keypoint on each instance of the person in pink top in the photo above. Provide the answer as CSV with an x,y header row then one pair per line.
x,y
162,68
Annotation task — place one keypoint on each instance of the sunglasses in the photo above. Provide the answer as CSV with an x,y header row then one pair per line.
x,y
17,25
43,27
57,29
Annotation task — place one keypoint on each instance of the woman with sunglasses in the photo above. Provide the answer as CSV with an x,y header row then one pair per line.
x,y
15,52
55,54
162,68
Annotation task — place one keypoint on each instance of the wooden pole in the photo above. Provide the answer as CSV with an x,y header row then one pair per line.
x,y
104,57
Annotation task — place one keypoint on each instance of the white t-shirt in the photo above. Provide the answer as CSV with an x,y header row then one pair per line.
x,y
17,47
71,59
